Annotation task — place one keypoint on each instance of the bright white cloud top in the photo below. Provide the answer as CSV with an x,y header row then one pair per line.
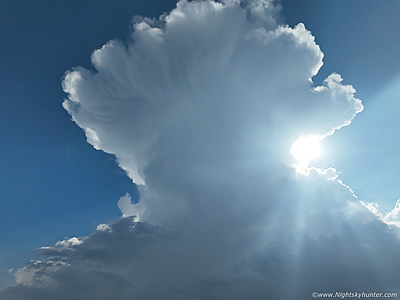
x,y
201,109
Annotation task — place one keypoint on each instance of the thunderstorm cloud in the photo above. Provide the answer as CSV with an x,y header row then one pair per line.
x,y
200,107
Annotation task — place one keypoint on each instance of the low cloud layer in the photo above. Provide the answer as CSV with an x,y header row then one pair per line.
x,y
201,108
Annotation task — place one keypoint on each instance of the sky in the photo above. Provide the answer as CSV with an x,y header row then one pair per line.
x,y
199,109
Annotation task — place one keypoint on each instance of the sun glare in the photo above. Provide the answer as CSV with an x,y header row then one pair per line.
x,y
306,149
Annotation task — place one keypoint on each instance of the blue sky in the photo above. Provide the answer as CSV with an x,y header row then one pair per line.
x,y
54,185
50,175
359,42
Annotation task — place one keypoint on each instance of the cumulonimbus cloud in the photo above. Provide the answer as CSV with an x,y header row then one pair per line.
x,y
201,108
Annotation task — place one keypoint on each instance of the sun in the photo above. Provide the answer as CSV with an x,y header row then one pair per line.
x,y
306,149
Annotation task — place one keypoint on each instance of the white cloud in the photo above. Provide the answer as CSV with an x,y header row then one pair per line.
x,y
201,112
103,227
126,207
391,218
